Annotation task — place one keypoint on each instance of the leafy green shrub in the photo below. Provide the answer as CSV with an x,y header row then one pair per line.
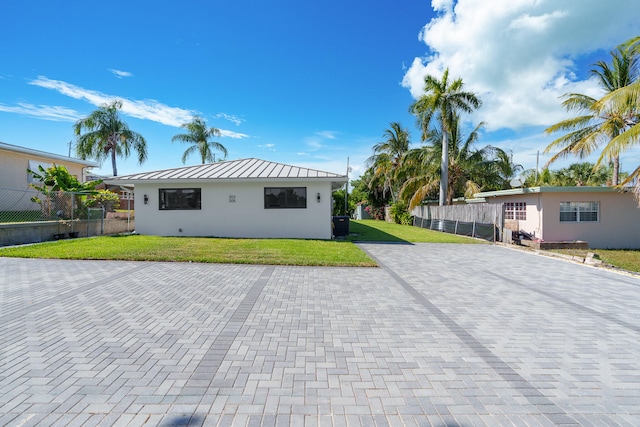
x,y
400,214
105,199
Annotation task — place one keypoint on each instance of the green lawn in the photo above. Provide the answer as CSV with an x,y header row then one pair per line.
x,y
238,251
627,259
20,216
370,230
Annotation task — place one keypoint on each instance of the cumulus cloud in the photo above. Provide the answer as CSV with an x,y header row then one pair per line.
x,y
520,56
120,74
147,109
46,112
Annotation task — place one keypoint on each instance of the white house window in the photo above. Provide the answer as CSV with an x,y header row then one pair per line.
x,y
180,199
579,211
285,197
515,210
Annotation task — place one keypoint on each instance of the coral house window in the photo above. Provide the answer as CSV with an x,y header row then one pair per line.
x,y
180,199
515,210
579,211
285,197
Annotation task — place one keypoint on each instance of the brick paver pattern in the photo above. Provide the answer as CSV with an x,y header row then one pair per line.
x,y
439,335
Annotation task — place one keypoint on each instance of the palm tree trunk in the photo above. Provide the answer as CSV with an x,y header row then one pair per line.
x,y
616,171
444,169
113,162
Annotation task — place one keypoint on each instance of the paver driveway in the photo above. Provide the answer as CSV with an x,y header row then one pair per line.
x,y
443,335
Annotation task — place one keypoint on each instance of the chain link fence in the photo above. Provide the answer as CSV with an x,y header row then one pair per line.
x,y
30,206
28,216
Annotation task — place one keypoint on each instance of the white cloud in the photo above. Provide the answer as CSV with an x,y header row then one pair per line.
x,y
148,109
314,143
327,134
46,112
519,56
268,147
233,119
120,74
231,134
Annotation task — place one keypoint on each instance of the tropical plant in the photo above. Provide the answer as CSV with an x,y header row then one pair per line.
x,y
470,170
575,175
108,200
108,136
63,193
400,214
627,99
198,136
386,158
600,122
442,100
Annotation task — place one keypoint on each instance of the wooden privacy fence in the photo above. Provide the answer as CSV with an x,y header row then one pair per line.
x,y
480,220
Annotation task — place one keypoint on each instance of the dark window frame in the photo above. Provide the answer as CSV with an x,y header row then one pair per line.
x,y
179,201
284,198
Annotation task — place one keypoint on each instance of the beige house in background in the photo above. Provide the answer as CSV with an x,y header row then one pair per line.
x,y
604,217
14,162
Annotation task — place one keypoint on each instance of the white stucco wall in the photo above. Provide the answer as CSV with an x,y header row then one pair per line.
x,y
246,217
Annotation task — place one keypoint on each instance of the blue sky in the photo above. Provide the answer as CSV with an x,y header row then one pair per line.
x,y
305,83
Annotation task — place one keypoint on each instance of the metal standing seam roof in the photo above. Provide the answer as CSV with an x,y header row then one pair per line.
x,y
234,169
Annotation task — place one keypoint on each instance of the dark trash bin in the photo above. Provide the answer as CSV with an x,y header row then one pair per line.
x,y
340,226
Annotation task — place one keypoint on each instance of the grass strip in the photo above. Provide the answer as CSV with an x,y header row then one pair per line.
x,y
236,251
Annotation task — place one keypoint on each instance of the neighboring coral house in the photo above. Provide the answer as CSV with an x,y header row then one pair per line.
x,y
605,217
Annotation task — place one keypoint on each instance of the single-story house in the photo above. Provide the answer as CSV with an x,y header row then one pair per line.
x,y
604,217
247,198
14,162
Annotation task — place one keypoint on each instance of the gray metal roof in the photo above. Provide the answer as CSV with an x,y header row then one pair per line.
x,y
243,169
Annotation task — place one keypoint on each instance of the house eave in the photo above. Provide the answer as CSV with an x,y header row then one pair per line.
x,y
44,154
539,190
339,181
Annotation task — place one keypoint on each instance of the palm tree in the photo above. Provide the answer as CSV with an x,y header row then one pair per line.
x,y
387,155
470,170
442,99
600,122
198,137
625,99
107,135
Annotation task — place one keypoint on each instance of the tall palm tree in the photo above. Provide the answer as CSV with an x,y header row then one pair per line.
x,y
108,136
626,99
198,137
387,155
470,170
599,123
442,100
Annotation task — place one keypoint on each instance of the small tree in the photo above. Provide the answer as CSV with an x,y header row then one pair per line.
x,y
105,199
62,192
